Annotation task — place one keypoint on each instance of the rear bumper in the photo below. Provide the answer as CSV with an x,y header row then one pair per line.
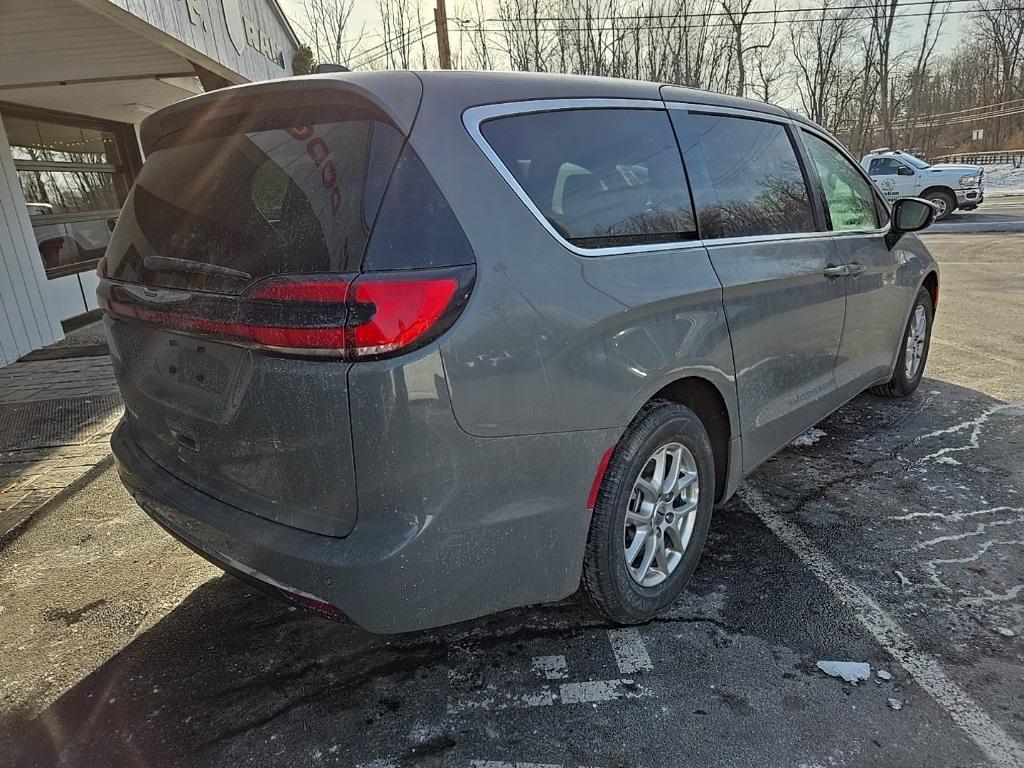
x,y
277,557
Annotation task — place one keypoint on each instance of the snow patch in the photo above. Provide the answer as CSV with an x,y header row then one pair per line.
x,y
850,671
1003,179
810,437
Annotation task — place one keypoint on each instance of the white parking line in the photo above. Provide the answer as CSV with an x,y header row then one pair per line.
x,y
630,656
629,649
997,745
599,691
502,764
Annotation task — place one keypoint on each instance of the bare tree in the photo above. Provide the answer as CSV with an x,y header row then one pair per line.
x,y
327,22
882,17
472,29
819,44
748,35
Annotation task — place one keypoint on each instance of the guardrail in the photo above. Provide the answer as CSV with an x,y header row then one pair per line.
x,y
1014,157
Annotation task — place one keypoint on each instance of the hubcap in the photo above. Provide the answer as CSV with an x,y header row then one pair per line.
x,y
940,206
915,342
660,514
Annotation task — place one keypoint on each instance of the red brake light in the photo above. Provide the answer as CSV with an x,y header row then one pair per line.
x,y
403,311
371,315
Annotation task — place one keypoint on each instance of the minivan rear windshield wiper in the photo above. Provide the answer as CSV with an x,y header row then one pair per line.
x,y
168,264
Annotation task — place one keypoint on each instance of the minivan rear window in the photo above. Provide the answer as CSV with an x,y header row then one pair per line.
x,y
745,176
286,192
601,177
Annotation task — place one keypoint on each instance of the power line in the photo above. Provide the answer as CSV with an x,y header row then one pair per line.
x,y
391,50
931,121
387,44
960,112
760,11
522,26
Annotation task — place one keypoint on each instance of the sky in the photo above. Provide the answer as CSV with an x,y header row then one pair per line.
x,y
365,13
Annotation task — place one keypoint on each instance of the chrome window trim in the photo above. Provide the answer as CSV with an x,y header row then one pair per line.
x,y
474,117
753,114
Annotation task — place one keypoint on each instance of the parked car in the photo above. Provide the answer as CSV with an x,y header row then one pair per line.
x,y
945,185
409,349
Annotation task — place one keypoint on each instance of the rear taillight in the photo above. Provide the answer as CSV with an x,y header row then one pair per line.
x,y
352,316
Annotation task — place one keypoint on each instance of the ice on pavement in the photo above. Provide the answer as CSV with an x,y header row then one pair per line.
x,y
850,671
810,437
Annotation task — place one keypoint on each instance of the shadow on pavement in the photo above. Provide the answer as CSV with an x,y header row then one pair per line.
x,y
231,677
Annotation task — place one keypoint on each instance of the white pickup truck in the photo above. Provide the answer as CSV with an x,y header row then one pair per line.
x,y
947,186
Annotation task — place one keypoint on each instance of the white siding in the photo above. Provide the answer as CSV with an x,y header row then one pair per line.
x,y
24,323
211,38
42,41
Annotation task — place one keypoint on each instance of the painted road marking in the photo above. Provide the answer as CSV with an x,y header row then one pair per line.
x,y
551,667
629,649
997,745
631,656
502,764
599,691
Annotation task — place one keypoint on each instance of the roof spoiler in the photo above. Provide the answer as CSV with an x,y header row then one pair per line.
x,y
396,95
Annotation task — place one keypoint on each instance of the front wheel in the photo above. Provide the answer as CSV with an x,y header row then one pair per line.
x,y
913,355
944,203
652,514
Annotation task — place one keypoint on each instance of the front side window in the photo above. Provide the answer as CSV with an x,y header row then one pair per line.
x,y
849,199
885,166
601,177
745,176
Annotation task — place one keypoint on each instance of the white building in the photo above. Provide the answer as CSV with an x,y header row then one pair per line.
x,y
76,78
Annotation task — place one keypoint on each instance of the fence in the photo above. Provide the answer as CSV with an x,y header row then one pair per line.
x,y
1014,157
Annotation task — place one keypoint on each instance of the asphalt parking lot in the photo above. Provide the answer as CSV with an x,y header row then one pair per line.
x,y
894,535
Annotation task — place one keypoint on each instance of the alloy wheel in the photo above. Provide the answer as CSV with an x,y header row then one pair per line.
x,y
660,514
916,337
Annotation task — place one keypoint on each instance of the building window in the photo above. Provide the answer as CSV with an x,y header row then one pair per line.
x,y
75,175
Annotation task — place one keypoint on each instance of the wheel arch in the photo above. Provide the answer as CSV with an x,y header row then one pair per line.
x,y
931,284
707,401
940,188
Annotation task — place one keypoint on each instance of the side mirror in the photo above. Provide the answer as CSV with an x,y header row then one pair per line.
x,y
911,214
904,171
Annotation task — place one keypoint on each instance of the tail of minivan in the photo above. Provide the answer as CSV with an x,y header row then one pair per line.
x,y
277,235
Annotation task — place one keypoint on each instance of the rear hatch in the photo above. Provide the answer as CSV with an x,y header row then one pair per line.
x,y
233,292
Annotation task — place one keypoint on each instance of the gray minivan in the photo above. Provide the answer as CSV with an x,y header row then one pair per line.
x,y
407,349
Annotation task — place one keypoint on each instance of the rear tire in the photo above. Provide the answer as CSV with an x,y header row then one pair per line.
x,y
632,494
913,352
944,203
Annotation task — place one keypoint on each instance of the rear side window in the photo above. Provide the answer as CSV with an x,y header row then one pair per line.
x,y
218,206
849,197
745,176
601,177
416,228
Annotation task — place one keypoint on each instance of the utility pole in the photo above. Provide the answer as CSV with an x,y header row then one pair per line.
x,y
444,52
